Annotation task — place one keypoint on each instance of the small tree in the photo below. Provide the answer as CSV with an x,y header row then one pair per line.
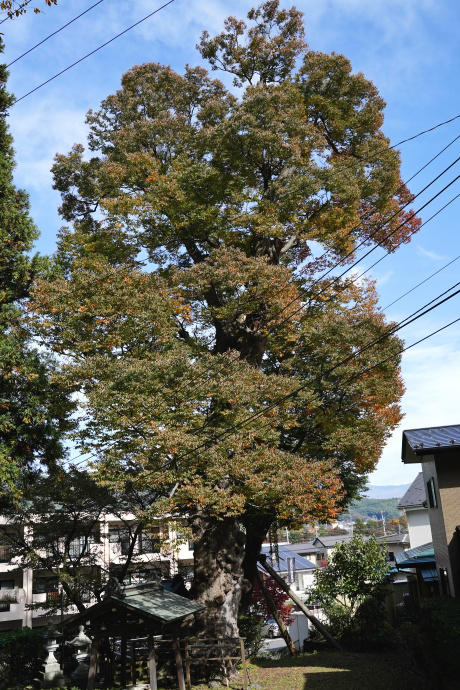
x,y
54,529
260,607
351,587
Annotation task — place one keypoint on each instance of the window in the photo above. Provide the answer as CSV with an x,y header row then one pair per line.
x,y
5,549
120,535
149,541
391,555
80,546
431,493
45,585
5,584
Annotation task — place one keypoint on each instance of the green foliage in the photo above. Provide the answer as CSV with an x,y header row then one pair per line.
x,y
367,508
357,569
33,409
252,629
351,590
21,656
190,298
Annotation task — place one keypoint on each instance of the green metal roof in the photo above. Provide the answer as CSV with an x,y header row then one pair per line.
x,y
148,600
164,606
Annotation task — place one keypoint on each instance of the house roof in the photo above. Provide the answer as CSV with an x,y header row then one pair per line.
x,y
280,564
330,541
419,442
305,547
423,552
415,496
395,539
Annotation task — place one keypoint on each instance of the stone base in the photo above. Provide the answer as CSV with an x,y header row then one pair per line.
x,y
53,679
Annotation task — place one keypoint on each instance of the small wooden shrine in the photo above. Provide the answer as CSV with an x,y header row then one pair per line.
x,y
136,611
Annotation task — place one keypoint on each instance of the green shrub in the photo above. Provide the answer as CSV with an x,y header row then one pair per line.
x,y
252,629
21,657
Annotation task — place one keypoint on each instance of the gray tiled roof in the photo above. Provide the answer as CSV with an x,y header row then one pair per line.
x,y
331,541
283,554
422,551
418,442
395,539
304,547
415,496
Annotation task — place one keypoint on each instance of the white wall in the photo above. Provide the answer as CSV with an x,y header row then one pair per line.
x,y
298,630
419,526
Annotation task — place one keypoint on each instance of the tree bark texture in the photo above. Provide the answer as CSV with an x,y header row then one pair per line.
x,y
257,527
219,581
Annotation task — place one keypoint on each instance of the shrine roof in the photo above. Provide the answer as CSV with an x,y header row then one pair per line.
x,y
152,602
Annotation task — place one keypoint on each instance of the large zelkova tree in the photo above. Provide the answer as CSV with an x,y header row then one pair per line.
x,y
191,294
33,410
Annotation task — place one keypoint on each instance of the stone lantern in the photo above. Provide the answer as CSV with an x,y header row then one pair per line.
x,y
52,674
81,643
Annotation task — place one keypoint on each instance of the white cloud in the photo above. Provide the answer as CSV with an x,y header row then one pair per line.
x,y
39,133
432,377
430,255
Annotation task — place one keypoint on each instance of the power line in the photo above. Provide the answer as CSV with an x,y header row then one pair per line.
x,y
425,280
394,329
92,52
429,277
54,33
387,359
398,227
419,313
336,279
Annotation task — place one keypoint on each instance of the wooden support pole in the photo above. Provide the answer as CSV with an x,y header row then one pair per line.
x,y
133,663
275,613
123,661
179,666
319,626
93,664
243,661
152,664
187,666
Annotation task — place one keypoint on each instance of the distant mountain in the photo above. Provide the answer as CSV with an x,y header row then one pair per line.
x,y
389,491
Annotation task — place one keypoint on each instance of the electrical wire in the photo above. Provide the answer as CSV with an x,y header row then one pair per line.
x,y
303,293
92,52
394,329
419,313
356,263
24,4
387,334
426,279
54,33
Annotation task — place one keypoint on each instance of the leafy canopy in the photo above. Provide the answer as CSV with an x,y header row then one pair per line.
x,y
33,410
190,294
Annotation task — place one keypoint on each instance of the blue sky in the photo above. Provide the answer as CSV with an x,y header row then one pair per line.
x,y
409,49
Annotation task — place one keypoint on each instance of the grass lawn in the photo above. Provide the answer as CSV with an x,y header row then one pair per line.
x,y
330,670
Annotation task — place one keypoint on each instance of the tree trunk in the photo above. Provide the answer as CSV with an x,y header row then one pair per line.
x,y
256,527
218,582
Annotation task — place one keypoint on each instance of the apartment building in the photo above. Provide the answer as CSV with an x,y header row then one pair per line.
x,y
159,548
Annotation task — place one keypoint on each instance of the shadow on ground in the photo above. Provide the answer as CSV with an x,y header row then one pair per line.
x,y
337,671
